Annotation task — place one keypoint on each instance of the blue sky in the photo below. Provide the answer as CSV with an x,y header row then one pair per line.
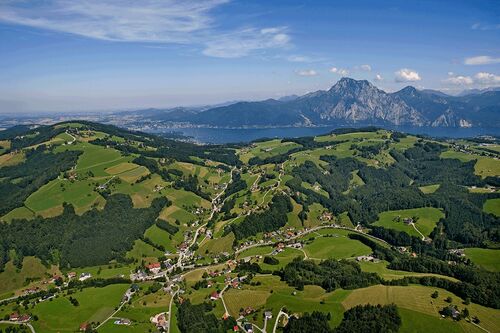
x,y
64,55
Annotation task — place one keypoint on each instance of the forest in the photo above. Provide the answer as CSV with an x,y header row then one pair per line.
x,y
72,241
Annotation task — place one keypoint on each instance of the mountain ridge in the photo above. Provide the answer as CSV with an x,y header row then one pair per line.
x,y
350,102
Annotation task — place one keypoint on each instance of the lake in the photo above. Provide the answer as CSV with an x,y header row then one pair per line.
x,y
220,136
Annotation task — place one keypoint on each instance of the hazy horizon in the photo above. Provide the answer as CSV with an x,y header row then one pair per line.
x,y
59,56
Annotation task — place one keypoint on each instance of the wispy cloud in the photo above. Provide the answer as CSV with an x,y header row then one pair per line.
x,y
307,72
125,20
481,60
149,21
366,68
378,78
339,71
407,75
243,42
483,26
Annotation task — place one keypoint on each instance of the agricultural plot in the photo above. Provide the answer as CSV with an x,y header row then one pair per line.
x,y
389,274
333,243
488,259
18,213
429,188
81,194
492,206
427,220
484,167
418,299
95,305
12,279
12,159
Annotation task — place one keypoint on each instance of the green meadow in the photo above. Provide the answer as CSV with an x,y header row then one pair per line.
x,y
427,220
488,259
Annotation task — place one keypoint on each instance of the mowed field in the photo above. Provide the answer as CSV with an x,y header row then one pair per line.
x,y
488,259
418,300
334,243
427,220
484,167
492,206
96,304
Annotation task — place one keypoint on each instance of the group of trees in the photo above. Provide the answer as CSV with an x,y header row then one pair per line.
x,y
199,318
171,229
359,319
17,182
94,238
329,274
272,219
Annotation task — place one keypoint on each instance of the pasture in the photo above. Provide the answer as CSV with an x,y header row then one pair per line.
x,y
492,206
418,299
488,259
95,304
427,220
334,244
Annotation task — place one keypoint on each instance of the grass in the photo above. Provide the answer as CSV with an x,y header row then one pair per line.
x,y
345,220
429,188
488,259
337,247
216,246
18,213
389,274
12,279
484,167
160,237
142,250
492,206
418,299
427,220
96,304
80,194
11,159
284,258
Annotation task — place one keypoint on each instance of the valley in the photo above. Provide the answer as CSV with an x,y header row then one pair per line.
x,y
109,230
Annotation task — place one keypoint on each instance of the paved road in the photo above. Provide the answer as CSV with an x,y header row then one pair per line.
x,y
16,323
281,313
170,309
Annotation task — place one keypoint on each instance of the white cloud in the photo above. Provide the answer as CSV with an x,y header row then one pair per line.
x,y
243,42
150,21
407,75
378,78
307,72
459,80
481,60
483,78
339,71
366,68
480,79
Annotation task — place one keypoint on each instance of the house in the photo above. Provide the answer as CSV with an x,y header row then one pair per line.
x,y
235,284
84,327
24,318
154,268
71,275
214,296
84,276
236,328
14,316
248,327
123,321
268,314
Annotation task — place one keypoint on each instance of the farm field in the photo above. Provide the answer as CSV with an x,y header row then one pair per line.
x,y
492,206
334,244
96,304
427,220
418,299
488,259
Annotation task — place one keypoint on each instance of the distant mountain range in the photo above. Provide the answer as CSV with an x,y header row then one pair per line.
x,y
348,102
